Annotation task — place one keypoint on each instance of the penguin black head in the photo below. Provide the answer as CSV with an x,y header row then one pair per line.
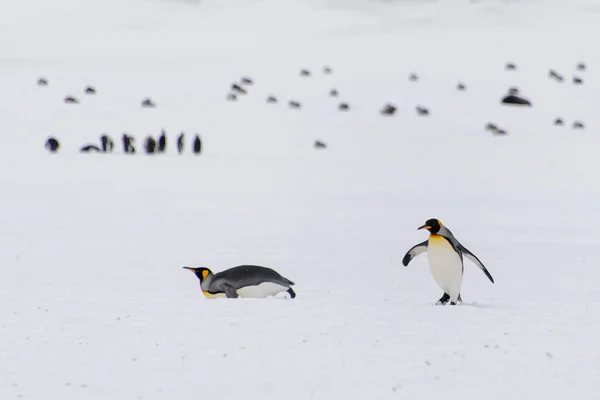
x,y
201,273
432,225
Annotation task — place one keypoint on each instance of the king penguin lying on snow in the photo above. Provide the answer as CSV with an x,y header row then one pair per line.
x,y
445,257
242,281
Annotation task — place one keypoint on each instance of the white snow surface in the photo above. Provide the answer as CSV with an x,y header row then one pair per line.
x,y
93,301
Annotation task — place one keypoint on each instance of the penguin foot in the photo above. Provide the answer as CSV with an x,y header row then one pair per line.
x,y
443,300
291,293
458,301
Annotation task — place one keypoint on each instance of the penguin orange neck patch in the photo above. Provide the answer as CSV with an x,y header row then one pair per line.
x,y
437,238
205,273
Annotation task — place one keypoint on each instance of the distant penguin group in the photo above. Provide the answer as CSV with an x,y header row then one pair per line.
x,y
243,85
153,146
150,145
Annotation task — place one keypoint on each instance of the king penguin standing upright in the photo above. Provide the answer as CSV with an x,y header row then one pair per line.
x,y
445,257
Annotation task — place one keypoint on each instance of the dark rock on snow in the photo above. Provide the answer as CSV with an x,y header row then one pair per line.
x,y
238,89
148,103
71,100
52,145
555,75
516,100
491,127
388,109
422,111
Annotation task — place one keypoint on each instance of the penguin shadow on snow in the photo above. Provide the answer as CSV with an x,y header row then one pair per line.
x,y
475,304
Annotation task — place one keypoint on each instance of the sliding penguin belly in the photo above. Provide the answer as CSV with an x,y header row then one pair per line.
x,y
262,290
446,265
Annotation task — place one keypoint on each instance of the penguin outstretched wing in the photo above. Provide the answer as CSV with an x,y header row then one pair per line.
x,y
476,261
415,251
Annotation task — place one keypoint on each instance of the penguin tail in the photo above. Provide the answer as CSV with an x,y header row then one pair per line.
x,y
291,293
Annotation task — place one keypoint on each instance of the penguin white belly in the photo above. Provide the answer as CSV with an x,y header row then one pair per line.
x,y
445,265
261,290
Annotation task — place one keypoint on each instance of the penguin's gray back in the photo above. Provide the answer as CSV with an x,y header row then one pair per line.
x,y
249,275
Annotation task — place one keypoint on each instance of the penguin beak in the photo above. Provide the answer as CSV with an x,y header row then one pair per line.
x,y
190,268
424,227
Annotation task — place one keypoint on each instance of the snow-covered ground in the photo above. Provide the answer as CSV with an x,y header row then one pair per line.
x,y
93,301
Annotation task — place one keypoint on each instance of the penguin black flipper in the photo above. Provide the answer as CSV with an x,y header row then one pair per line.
x,y
291,293
415,251
476,261
230,291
